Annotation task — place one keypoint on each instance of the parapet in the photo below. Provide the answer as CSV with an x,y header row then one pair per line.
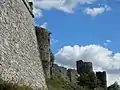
x,y
84,67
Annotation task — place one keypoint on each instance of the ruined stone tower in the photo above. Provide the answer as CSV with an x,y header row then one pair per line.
x,y
19,56
43,37
84,67
101,76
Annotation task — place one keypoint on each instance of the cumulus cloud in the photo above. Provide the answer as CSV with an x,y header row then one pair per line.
x,y
64,5
96,11
102,59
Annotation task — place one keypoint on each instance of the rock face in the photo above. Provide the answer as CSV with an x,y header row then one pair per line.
x,y
84,67
102,77
19,56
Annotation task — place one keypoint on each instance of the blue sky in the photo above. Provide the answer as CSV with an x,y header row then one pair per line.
x,y
83,29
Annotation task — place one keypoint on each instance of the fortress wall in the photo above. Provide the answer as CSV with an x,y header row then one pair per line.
x,y
19,56
73,75
84,67
102,77
43,38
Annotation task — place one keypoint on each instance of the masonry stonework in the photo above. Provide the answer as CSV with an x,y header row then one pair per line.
x,y
102,77
19,56
59,71
84,67
43,38
73,75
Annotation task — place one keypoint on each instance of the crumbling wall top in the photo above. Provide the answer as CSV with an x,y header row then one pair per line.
x,y
84,67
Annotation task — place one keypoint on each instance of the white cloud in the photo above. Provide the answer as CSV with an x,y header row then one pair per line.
x,y
102,59
44,25
37,13
96,11
86,1
53,41
64,5
107,42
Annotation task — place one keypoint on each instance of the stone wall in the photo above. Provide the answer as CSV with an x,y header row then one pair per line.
x,y
59,71
43,38
72,75
101,76
19,56
69,75
84,67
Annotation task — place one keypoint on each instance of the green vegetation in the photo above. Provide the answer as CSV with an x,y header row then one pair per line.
x,y
88,80
60,84
10,86
114,86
